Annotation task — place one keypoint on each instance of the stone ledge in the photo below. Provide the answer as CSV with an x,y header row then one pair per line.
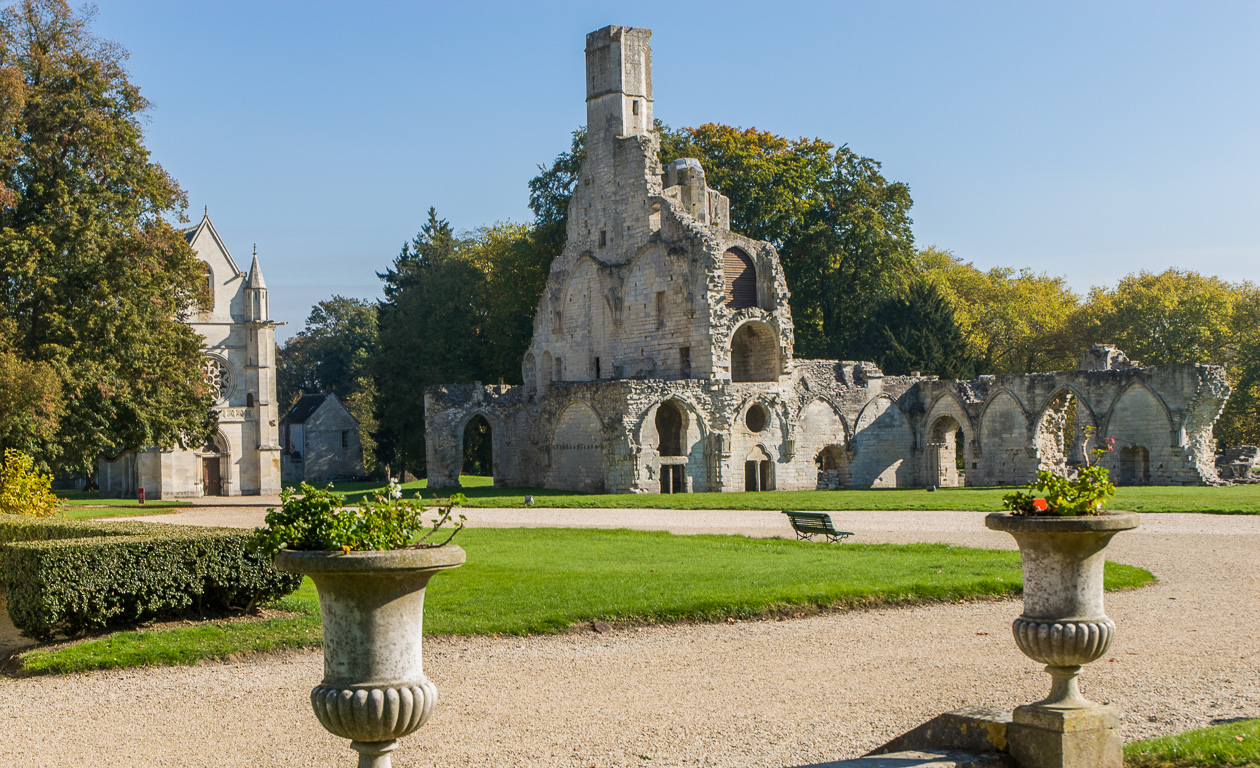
x,y
928,759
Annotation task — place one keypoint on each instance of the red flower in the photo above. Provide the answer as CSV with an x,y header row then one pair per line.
x,y
1111,444
1039,505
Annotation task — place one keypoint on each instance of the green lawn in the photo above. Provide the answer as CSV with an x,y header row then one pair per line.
x,y
534,580
1230,500
1229,744
79,505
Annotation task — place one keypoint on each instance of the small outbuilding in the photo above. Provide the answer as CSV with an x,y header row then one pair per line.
x,y
320,440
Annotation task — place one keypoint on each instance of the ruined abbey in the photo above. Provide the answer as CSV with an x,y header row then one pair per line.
x,y
661,360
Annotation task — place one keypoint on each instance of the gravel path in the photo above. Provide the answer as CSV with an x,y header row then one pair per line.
x,y
748,694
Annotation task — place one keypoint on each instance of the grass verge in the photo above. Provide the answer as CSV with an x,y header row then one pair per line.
x,y
1229,744
82,505
535,580
1230,500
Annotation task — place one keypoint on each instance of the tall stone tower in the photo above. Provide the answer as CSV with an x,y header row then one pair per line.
x,y
652,283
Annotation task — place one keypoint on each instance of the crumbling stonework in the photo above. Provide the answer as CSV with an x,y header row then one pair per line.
x,y
662,360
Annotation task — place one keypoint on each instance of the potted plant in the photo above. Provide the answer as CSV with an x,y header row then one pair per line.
x,y
1062,531
370,566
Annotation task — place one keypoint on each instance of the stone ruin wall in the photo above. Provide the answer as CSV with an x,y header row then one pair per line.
x,y
833,424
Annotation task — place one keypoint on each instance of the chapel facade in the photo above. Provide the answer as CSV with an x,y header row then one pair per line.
x,y
662,360
243,457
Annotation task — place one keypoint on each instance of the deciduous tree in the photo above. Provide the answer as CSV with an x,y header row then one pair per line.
x,y
94,278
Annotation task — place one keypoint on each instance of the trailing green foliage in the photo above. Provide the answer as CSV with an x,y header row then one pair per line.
x,y
1229,744
69,576
316,519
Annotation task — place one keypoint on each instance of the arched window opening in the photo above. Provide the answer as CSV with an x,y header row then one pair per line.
x,y
1134,466
478,448
833,468
754,353
741,279
756,418
669,428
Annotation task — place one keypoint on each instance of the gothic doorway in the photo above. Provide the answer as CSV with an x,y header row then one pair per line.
x,y
478,448
211,472
757,471
669,432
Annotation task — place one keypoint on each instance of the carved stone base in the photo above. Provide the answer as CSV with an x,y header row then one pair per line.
x,y
376,714
1044,737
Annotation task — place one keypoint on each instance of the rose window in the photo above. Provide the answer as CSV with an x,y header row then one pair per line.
x,y
218,377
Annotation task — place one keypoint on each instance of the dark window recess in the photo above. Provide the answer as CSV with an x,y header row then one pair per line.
x,y
603,238
741,279
669,429
684,362
660,309
634,107
597,368
672,479
345,439
249,399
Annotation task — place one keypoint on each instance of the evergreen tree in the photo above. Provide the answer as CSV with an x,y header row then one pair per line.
x,y
429,325
918,332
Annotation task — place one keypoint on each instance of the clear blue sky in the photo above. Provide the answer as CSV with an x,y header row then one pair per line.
x,y
1088,139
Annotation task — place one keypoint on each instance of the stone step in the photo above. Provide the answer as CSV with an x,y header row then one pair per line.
x,y
924,759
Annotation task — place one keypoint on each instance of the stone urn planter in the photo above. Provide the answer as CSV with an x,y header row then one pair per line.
x,y
1064,627
374,690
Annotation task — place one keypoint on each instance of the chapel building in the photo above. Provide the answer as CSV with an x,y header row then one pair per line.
x,y
243,457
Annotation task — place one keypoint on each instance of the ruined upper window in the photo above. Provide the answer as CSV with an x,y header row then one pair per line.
x,y
741,279
756,418
660,309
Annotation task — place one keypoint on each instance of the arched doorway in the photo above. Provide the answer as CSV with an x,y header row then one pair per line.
x,y
669,432
833,468
478,448
946,453
757,475
213,461
1134,465
754,353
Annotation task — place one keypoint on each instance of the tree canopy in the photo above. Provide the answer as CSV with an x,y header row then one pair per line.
x,y
94,277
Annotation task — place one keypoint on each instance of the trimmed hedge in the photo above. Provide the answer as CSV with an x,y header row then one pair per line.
x,y
68,576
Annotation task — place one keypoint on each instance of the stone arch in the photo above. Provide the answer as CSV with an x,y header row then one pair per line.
x,y
667,467
1139,423
758,469
739,279
214,462
947,441
577,452
494,439
820,425
1059,436
833,468
1006,451
755,353
883,443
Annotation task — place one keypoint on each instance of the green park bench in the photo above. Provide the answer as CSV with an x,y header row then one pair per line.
x,y
810,524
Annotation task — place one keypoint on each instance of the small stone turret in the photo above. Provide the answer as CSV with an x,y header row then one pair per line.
x,y
256,293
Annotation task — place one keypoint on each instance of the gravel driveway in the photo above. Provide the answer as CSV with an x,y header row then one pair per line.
x,y
767,693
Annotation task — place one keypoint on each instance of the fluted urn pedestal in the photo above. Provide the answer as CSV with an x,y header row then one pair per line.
x,y
374,690
1063,626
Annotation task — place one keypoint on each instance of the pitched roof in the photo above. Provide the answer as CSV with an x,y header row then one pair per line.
x,y
191,233
255,275
303,408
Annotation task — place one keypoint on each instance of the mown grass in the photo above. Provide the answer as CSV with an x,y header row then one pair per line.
x,y
521,581
1231,500
1228,744
79,505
